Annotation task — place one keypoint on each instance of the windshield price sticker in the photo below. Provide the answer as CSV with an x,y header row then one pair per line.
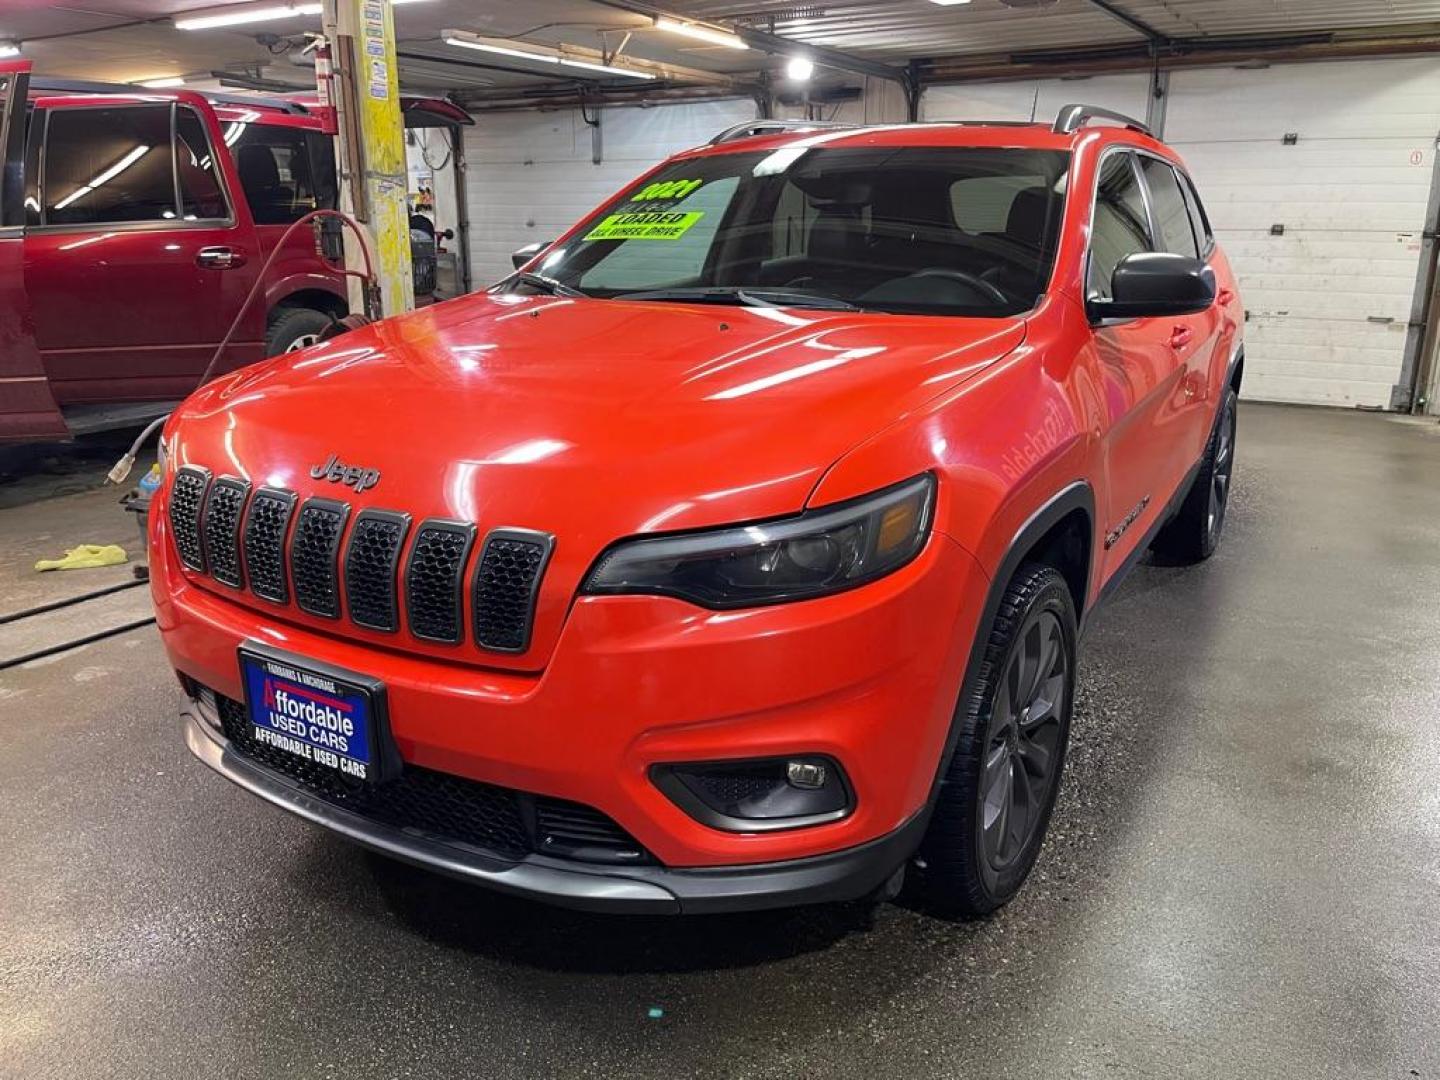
x,y
649,226
667,190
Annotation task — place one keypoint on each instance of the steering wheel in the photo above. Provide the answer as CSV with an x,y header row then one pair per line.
x,y
985,288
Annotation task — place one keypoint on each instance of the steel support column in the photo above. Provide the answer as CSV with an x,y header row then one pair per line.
x,y
371,144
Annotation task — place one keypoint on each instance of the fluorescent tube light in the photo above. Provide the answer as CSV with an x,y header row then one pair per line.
x,y
9,48
606,69
491,45
700,33
538,54
248,13
162,84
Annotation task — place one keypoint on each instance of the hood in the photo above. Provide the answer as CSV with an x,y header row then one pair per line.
x,y
591,420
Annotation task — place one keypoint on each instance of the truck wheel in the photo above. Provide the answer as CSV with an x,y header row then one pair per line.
x,y
1194,533
995,798
294,328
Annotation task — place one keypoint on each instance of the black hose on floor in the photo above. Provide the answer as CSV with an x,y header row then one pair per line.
x,y
56,605
66,646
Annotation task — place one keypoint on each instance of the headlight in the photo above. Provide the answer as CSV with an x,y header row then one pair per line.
x,y
818,552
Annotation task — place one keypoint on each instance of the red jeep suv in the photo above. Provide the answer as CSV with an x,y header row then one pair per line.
x,y
734,552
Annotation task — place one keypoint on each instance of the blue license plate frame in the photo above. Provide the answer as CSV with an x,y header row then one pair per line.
x,y
323,716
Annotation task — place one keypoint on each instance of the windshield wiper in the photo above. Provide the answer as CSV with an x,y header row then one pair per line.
x,y
546,284
750,297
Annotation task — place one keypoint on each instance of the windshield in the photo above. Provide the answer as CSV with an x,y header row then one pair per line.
x,y
923,230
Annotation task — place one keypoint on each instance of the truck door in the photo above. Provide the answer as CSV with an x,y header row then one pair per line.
x,y
27,409
134,218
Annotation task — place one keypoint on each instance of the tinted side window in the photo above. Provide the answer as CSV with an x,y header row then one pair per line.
x,y
201,196
1198,221
108,165
1172,219
275,171
1120,227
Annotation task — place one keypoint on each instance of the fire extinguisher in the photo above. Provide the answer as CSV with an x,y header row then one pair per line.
x,y
325,86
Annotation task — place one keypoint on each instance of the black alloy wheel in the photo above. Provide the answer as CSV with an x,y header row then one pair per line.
x,y
1022,743
1012,725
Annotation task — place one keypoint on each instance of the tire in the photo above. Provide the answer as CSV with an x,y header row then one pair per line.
x,y
998,791
294,328
1193,534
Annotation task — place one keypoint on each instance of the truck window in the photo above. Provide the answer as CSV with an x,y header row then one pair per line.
x,y
202,198
108,165
278,174
1120,222
1168,206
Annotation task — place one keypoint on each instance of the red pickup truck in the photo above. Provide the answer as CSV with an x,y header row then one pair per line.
x,y
134,226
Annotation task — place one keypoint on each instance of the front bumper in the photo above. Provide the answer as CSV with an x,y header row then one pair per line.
x,y
842,875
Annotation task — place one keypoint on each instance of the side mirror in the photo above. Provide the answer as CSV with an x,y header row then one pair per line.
x,y
521,256
1150,283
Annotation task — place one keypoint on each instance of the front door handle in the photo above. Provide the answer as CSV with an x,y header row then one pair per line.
x,y
1224,296
1180,337
219,258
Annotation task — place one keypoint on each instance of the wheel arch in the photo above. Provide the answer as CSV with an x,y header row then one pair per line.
x,y
1064,520
314,299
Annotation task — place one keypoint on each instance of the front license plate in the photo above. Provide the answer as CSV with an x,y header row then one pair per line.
x,y
318,716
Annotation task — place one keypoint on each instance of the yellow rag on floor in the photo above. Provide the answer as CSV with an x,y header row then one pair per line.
x,y
84,557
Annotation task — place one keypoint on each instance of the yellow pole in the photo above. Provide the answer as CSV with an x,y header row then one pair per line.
x,y
372,142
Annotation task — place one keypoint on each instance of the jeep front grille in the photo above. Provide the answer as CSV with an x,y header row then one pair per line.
x,y
303,552
432,579
187,499
506,583
370,560
222,529
312,556
265,531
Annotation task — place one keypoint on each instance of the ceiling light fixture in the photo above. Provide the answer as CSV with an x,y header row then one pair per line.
x,y
9,48
799,69
539,54
245,13
606,69
166,83
949,3
709,34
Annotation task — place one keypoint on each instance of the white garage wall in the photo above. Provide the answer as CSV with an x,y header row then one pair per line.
x,y
530,174
1352,195
1125,93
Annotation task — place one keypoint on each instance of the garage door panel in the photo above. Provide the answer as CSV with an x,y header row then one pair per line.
x,y
1127,93
1351,200
1321,361
1359,99
1310,391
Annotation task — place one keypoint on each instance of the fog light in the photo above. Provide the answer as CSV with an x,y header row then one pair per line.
x,y
805,774
758,795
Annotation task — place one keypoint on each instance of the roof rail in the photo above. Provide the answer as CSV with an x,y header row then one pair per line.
x,y
775,127
84,86
1071,118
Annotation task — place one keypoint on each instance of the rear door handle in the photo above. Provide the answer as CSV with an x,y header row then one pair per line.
x,y
219,258
1180,337
1224,296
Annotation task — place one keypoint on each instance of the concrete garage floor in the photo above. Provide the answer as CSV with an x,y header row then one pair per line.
x,y
1241,878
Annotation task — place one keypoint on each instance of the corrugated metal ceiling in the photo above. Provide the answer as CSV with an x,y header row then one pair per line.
x,y
901,29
